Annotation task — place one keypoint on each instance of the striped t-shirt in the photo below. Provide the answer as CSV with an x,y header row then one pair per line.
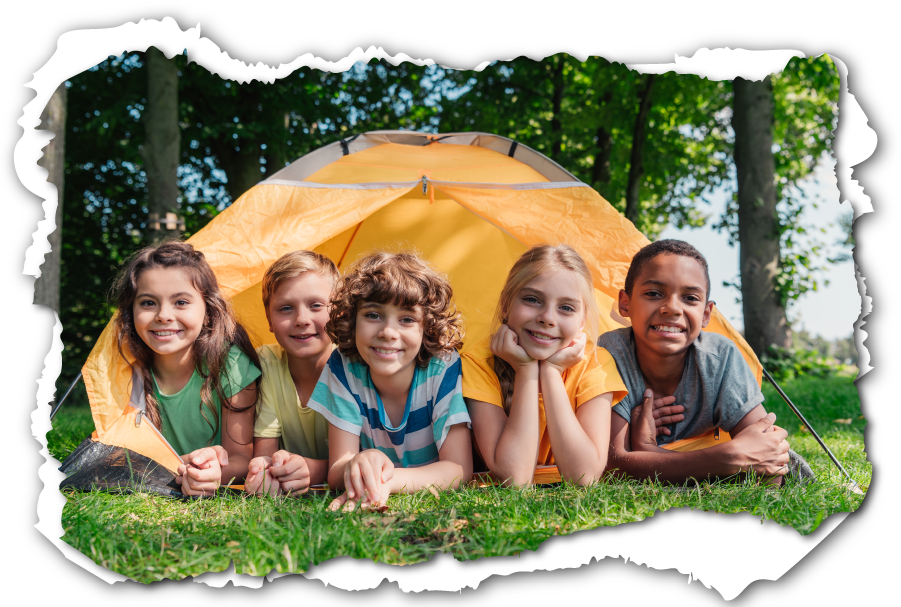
x,y
347,398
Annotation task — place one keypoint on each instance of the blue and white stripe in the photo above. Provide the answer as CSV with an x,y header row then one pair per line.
x,y
347,398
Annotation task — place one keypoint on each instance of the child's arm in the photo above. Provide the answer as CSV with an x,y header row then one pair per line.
x,y
453,468
210,467
756,444
509,444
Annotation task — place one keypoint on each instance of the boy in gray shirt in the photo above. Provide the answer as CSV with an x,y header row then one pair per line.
x,y
694,407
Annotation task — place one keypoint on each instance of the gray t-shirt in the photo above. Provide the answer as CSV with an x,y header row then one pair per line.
x,y
717,388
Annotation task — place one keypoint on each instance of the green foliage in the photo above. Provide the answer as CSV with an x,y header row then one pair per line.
x,y
582,115
788,363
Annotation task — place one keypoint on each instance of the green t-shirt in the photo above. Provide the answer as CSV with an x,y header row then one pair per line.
x,y
183,422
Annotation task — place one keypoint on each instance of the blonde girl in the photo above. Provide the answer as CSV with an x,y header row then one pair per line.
x,y
198,366
537,389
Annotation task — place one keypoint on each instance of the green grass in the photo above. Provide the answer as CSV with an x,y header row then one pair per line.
x,y
150,538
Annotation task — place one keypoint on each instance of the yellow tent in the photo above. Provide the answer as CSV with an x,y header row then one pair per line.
x,y
470,202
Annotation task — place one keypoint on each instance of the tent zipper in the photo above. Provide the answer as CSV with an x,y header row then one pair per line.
x,y
425,184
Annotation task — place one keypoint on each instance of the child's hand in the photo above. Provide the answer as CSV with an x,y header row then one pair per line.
x,y
665,413
202,472
259,477
365,476
642,428
342,502
291,471
505,345
566,357
762,447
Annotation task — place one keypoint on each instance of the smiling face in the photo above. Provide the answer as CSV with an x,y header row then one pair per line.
x,y
298,312
388,339
548,313
168,312
668,305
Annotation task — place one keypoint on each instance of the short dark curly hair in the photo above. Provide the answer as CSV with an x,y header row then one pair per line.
x,y
664,247
405,280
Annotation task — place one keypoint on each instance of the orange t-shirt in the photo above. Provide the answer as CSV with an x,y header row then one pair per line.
x,y
594,375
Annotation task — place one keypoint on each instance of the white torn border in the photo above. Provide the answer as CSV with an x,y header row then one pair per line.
x,y
638,542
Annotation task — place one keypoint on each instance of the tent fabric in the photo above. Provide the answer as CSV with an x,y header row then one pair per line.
x,y
461,200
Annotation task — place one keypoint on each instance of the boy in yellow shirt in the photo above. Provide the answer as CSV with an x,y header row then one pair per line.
x,y
290,444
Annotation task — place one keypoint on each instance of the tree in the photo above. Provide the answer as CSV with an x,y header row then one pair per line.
x,y
162,145
801,107
53,118
758,224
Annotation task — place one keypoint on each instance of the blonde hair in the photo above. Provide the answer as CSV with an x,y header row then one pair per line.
x,y
293,264
534,262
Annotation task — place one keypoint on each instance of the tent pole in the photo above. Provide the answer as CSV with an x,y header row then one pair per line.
x,y
63,399
809,427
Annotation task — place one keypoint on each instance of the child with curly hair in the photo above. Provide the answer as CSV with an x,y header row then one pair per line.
x,y
391,391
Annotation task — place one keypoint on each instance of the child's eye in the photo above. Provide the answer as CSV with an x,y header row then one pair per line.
x,y
408,320
317,306
567,308
285,309
530,299
146,303
371,316
652,294
182,303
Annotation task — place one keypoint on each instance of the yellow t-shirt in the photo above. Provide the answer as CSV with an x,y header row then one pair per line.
x,y
280,413
594,375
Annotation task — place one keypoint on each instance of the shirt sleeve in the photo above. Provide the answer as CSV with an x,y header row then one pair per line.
x,y
334,399
239,372
739,392
449,408
600,377
267,424
480,382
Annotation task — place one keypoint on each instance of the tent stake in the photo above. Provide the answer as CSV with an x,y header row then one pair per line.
x,y
804,421
63,399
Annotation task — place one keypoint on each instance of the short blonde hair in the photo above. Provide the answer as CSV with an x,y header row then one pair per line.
x,y
293,264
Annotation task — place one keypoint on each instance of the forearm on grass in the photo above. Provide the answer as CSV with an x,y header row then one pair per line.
x,y
580,455
667,466
516,452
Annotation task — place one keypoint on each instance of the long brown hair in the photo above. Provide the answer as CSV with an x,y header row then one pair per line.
x,y
220,328
532,263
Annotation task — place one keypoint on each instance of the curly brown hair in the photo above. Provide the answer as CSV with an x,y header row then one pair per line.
x,y
404,280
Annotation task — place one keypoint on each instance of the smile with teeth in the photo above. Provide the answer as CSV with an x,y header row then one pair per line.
x,y
385,351
541,336
165,333
668,329
304,337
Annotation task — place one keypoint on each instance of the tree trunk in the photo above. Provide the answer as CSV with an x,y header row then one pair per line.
x,y
758,223
600,172
636,167
557,102
53,118
162,147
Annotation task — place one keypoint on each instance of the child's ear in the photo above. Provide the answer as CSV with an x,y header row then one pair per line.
x,y
708,310
624,304
269,320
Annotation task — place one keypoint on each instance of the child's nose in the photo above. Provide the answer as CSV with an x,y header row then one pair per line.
x,y
546,317
164,313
